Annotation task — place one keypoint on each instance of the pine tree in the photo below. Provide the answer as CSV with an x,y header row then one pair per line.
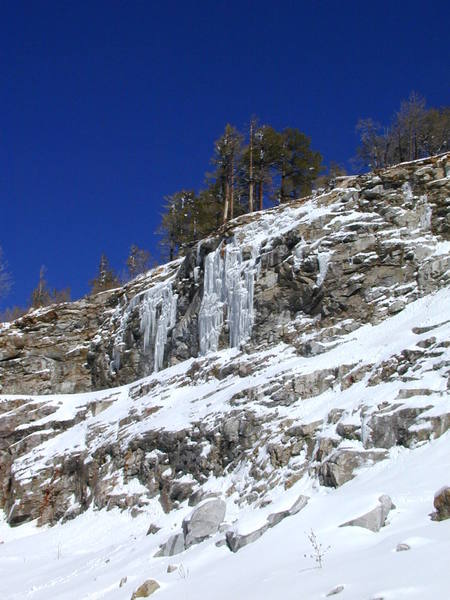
x,y
298,166
179,223
267,147
226,159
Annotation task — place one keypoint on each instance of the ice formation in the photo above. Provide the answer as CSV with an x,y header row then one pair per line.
x,y
227,297
157,311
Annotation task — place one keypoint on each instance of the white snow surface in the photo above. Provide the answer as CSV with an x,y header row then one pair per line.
x,y
85,559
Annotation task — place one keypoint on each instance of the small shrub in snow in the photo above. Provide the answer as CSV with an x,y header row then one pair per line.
x,y
318,550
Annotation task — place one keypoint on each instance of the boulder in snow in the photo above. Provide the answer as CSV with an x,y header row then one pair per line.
x,y
298,505
442,504
402,547
340,467
174,545
146,589
374,519
236,541
204,521
337,590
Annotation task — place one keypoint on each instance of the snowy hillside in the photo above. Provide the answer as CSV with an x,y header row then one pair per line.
x,y
87,557
297,394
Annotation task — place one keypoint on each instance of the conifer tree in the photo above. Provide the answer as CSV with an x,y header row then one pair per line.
x,y
267,148
298,165
226,159
179,224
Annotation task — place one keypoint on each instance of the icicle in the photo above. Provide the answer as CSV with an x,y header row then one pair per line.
x,y
228,289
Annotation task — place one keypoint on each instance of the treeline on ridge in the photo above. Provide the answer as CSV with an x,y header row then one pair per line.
x,y
138,261
415,131
250,171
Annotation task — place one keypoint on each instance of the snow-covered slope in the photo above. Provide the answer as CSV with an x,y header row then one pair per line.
x,y
87,557
319,386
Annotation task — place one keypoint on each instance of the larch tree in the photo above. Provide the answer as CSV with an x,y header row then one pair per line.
x,y
138,261
414,132
42,295
106,278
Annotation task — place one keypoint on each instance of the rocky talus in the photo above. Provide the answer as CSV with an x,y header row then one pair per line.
x,y
305,342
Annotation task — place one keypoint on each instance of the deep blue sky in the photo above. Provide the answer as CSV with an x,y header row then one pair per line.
x,y
105,107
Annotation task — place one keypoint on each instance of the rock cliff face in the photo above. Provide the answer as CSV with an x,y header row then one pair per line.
x,y
303,342
299,274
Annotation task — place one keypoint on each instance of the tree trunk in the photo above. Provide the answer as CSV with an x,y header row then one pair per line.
x,y
225,207
232,189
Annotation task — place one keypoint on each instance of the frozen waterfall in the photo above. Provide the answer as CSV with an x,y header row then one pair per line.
x,y
157,312
227,295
